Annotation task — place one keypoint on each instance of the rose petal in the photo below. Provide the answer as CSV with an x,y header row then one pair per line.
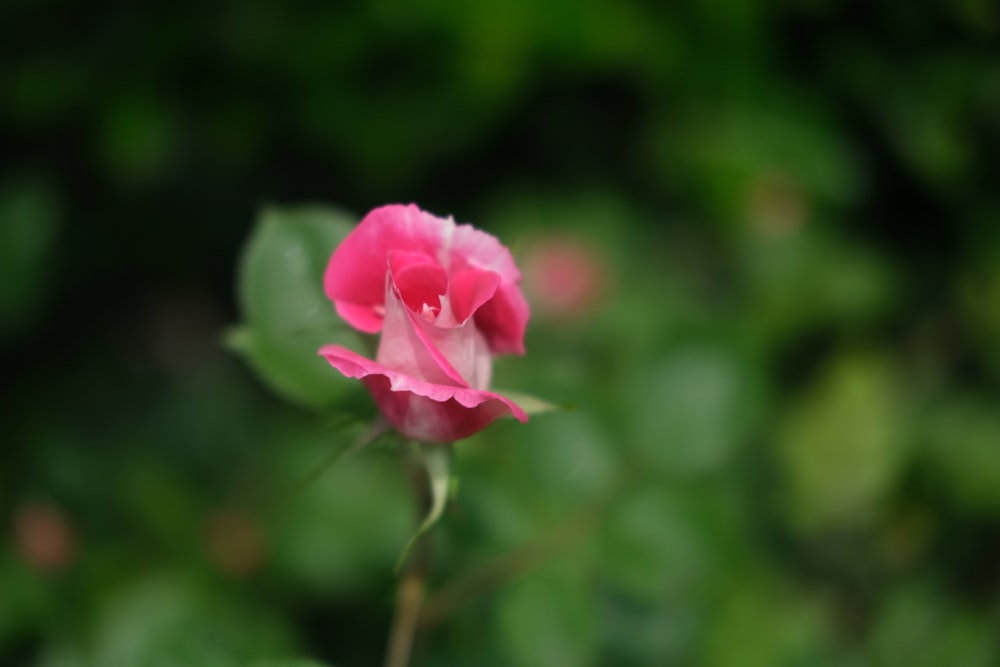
x,y
419,409
362,317
406,347
473,248
419,279
461,351
503,320
356,272
468,290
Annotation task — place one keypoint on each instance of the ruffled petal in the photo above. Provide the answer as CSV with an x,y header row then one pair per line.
x,y
419,409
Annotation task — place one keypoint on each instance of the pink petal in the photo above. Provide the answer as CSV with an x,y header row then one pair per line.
x,y
420,280
470,247
419,409
355,275
503,320
361,317
468,290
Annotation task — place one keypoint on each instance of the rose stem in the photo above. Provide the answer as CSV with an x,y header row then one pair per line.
x,y
410,595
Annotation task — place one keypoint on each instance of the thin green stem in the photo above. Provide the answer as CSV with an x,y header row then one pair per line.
x,y
410,595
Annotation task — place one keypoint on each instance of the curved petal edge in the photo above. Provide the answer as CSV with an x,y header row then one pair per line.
x,y
423,410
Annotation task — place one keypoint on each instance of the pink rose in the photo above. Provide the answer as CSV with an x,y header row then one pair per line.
x,y
446,299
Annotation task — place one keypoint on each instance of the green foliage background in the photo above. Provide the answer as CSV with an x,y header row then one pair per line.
x,y
786,442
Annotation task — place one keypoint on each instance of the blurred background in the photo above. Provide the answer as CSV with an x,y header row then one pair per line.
x,y
762,245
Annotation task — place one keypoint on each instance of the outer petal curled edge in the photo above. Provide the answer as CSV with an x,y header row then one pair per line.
x,y
419,409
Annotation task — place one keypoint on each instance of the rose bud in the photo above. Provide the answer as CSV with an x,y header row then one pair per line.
x,y
446,299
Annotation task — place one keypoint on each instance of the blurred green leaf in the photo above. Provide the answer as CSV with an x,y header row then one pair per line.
x,y
658,544
761,625
28,228
840,446
548,618
693,408
170,621
808,275
287,316
916,627
961,450
570,459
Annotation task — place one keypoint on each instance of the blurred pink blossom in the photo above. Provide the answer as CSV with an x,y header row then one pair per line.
x,y
564,277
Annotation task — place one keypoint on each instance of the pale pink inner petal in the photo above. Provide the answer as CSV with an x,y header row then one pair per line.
x,y
453,350
404,346
469,289
460,350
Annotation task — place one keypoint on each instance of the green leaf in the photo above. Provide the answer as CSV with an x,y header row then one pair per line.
x,y
840,447
287,316
437,459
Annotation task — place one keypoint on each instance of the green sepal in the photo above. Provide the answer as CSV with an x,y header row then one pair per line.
x,y
437,462
532,405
